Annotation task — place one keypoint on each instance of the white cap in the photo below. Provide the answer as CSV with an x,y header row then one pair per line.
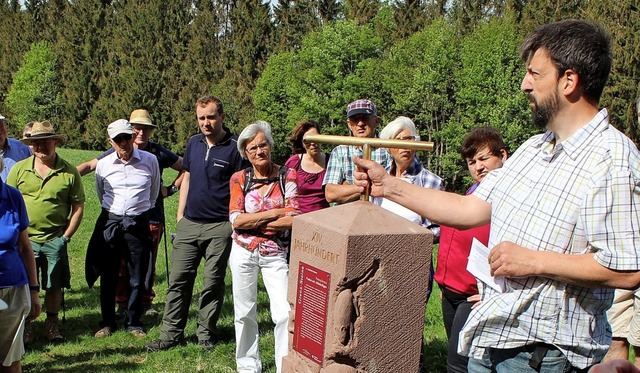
x,y
118,127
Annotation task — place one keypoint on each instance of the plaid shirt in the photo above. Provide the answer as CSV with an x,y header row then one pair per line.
x,y
341,166
581,196
418,175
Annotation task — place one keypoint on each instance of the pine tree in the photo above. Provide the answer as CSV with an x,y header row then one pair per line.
x,y
293,20
361,11
13,45
409,16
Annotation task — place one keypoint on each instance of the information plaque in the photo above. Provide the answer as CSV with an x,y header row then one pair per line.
x,y
311,312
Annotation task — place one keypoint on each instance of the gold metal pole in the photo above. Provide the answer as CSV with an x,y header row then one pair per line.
x,y
374,142
366,154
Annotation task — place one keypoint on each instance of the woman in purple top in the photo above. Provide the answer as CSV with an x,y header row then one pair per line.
x,y
310,164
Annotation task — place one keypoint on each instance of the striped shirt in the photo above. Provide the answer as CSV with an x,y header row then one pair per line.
x,y
579,196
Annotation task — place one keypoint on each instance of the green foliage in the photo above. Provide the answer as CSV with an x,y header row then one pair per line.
x,y
417,81
487,89
35,92
316,82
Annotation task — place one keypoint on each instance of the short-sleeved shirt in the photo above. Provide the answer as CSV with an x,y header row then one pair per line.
x,y
166,158
310,190
12,154
578,196
210,168
13,220
128,188
267,242
341,166
49,201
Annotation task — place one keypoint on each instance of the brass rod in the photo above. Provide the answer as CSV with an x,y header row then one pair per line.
x,y
375,142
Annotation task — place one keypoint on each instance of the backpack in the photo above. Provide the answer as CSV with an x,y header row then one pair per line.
x,y
250,180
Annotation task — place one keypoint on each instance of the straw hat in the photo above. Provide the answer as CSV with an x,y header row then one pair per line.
x,y
141,116
43,130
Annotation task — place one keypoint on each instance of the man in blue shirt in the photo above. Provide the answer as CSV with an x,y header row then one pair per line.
x,y
203,229
12,150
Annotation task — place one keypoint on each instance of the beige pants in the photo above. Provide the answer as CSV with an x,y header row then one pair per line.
x,y
12,322
624,315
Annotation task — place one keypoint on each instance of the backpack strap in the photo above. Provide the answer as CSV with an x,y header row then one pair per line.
x,y
248,177
282,179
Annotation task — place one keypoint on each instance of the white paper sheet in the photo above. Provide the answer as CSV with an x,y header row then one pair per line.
x,y
478,266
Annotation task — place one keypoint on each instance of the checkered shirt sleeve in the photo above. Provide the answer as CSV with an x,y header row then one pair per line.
x,y
574,197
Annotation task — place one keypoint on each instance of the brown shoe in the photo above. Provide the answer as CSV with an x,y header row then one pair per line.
x,y
136,332
52,331
104,332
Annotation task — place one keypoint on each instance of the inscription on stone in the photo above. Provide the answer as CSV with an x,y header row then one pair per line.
x,y
312,300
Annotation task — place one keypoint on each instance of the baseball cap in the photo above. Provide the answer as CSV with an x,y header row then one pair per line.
x,y
362,106
118,127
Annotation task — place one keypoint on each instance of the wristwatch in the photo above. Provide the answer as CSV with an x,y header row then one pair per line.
x,y
66,239
172,189
35,288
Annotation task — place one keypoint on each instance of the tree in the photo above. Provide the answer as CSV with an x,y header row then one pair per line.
x,y
409,16
487,91
35,92
13,45
316,82
621,21
361,11
293,20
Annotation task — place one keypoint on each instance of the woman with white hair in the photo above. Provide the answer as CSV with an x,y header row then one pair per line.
x,y
264,199
407,167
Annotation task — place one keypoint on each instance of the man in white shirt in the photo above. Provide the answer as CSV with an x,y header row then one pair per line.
x,y
127,183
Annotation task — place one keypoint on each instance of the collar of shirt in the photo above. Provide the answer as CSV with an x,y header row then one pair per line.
x,y
135,154
549,148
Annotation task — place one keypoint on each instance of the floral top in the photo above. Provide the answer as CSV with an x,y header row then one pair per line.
x,y
269,242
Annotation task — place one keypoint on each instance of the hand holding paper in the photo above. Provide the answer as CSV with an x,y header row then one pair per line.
x,y
478,266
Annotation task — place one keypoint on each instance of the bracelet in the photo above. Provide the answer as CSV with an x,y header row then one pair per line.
x,y
34,288
66,239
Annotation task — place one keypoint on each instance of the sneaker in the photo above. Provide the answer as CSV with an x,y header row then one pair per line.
x,y
207,345
52,331
121,312
28,332
136,332
104,332
149,311
161,345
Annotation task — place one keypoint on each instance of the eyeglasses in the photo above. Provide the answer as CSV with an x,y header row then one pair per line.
x,y
307,142
409,138
142,128
254,149
124,136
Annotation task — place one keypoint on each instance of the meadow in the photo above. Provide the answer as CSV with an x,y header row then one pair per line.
x,y
121,352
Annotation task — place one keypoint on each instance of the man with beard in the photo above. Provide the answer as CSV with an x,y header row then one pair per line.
x,y
564,212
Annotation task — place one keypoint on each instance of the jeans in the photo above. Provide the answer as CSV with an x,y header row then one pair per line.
x,y
275,273
516,360
193,242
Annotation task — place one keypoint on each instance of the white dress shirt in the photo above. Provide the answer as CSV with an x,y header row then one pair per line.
x,y
128,188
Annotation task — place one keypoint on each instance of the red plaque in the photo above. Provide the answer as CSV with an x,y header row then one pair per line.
x,y
312,301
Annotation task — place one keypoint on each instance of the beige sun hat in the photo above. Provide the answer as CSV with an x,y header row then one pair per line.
x,y
141,116
43,130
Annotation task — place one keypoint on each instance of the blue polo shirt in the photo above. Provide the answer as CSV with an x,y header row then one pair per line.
x,y
210,169
13,220
12,154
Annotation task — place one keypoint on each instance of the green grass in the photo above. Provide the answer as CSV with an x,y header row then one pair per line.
x,y
123,353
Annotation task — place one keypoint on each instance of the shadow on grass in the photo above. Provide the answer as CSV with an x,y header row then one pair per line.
x,y
435,355
86,362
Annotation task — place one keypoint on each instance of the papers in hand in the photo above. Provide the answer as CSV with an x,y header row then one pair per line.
x,y
478,266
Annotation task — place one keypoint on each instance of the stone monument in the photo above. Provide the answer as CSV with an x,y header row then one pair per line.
x,y
357,288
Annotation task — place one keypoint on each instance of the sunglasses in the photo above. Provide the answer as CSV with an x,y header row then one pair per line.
x,y
307,142
124,136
